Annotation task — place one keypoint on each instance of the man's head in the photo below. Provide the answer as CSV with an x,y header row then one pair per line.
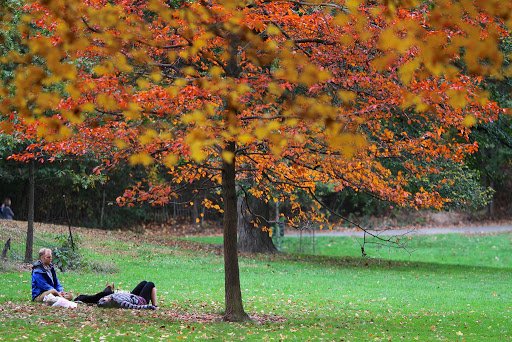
x,y
45,255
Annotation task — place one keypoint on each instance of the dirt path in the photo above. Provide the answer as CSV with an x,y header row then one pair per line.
x,y
478,229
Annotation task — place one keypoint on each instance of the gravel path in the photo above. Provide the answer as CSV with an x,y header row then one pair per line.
x,y
483,229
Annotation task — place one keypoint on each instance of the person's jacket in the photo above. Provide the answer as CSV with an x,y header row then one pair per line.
x,y
6,212
41,281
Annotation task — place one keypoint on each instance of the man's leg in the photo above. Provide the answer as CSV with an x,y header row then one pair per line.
x,y
41,296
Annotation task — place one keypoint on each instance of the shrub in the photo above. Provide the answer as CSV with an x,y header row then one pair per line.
x,y
66,256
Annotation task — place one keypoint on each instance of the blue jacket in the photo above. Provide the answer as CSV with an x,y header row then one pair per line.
x,y
41,281
6,212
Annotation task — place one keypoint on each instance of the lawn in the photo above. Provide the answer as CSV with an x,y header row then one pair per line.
x,y
446,287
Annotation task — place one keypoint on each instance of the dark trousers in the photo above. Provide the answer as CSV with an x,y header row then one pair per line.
x,y
93,299
143,289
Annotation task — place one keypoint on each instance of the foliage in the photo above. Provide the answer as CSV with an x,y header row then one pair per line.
x,y
459,184
171,105
494,156
66,255
10,37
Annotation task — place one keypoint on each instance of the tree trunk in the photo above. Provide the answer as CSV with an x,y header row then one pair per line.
x,y
195,213
251,238
7,246
29,246
233,295
491,205
102,213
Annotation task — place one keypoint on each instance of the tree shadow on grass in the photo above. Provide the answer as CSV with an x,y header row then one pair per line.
x,y
342,261
377,263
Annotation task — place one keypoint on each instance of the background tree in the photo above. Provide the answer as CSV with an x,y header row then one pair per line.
x,y
495,144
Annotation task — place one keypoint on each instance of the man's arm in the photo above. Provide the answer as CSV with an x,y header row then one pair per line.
x,y
9,212
41,283
59,287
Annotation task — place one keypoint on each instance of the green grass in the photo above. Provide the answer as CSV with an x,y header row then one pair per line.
x,y
450,288
473,250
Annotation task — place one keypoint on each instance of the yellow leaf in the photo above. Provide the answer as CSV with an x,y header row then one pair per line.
x,y
121,63
108,102
273,30
469,121
87,107
383,62
273,125
216,71
457,99
156,76
261,132
143,83
121,144
342,19
100,70
228,156
170,160
245,138
407,70
141,158
275,89
72,91
180,82
347,96
133,112
352,5
148,136
190,71
64,132
72,117
172,91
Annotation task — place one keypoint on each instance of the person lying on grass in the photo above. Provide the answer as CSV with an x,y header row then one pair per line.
x,y
44,278
139,298
94,299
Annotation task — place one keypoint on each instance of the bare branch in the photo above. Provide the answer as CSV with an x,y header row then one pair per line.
x,y
313,4
314,40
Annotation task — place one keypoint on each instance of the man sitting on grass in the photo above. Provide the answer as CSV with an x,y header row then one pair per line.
x,y
44,278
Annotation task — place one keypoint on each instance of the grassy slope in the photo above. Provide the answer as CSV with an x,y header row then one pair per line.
x,y
450,288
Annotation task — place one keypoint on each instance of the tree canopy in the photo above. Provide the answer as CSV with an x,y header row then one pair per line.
x,y
367,95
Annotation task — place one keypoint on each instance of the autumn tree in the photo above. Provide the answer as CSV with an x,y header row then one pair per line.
x,y
273,96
